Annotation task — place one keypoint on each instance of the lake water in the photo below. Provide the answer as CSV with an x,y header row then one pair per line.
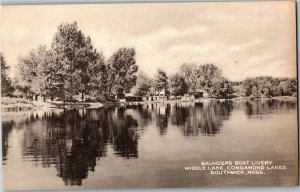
x,y
146,146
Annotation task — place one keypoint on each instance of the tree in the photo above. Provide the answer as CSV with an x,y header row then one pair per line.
x,y
122,70
200,76
144,84
267,86
292,86
6,85
178,86
209,74
36,71
190,73
247,85
221,89
98,76
161,81
74,54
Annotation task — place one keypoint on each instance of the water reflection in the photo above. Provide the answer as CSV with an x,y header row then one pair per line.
x,y
6,129
201,118
258,108
162,114
125,135
74,141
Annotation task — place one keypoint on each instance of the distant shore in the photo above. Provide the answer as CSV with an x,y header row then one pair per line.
x,y
208,99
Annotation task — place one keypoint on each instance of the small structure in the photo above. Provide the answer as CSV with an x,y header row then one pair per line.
x,y
161,92
134,99
160,95
172,97
156,96
187,97
200,93
129,97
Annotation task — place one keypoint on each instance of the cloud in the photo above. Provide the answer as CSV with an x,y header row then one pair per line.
x,y
192,49
242,47
242,39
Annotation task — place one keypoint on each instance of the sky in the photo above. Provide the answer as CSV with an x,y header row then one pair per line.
x,y
243,39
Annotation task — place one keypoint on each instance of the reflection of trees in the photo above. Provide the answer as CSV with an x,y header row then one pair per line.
x,y
124,133
162,117
145,114
74,140
6,129
258,107
202,118
180,114
157,113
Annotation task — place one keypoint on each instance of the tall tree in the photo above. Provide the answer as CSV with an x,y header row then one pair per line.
x,y
98,76
161,81
122,70
208,75
36,71
178,86
190,72
6,85
74,54
144,84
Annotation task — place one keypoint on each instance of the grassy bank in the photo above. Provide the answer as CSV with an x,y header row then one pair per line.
x,y
60,104
285,98
21,104
16,104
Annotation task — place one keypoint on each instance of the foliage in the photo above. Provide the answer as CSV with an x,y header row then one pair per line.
x,y
221,89
73,66
209,74
74,54
178,85
122,70
144,85
98,77
6,85
267,86
161,81
190,72
200,76
37,72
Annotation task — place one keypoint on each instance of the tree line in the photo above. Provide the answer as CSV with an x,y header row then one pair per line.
x,y
208,78
267,86
191,79
72,66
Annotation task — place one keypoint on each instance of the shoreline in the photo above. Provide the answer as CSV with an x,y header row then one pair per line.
x,y
45,106
279,98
